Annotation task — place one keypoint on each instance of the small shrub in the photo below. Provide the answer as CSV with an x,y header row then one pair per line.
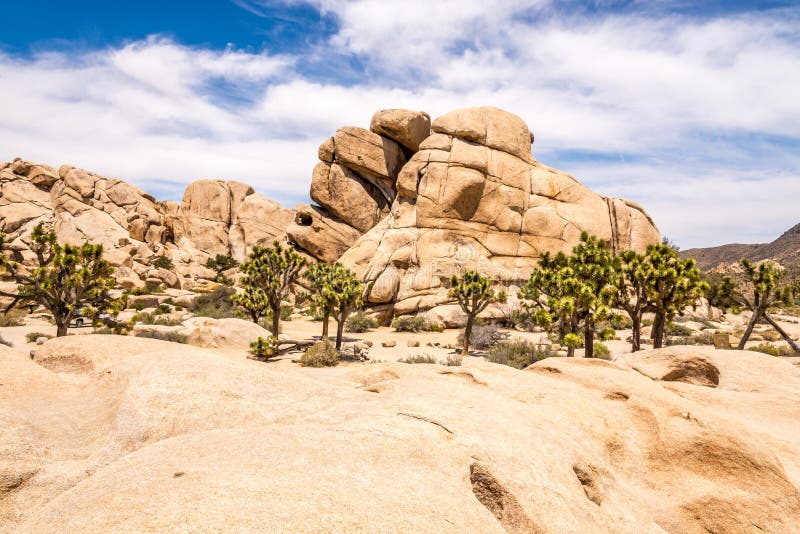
x,y
178,308
175,337
163,262
138,306
573,341
105,330
673,341
453,360
322,354
286,313
607,334
264,348
163,308
676,329
434,327
15,317
217,304
154,319
30,337
704,338
647,322
772,350
600,351
408,323
360,322
620,321
483,336
771,335
518,353
418,358
152,288
5,342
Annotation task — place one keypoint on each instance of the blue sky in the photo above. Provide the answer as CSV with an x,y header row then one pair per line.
x,y
689,108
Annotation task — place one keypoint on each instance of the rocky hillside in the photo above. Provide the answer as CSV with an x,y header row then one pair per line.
x,y
405,204
119,434
785,250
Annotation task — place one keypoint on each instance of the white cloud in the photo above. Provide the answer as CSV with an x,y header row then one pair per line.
x,y
677,97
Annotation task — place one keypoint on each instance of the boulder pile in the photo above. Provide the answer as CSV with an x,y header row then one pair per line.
x,y
405,204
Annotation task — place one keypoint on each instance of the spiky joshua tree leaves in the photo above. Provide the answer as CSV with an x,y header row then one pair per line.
x,y
253,300
66,278
335,291
761,291
672,284
658,281
474,293
273,270
573,293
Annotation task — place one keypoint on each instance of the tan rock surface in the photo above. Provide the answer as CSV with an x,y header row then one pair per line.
x,y
320,234
409,128
104,433
474,197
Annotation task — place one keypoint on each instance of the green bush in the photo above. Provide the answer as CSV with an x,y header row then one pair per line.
x,y
30,337
217,304
620,321
360,322
408,323
175,337
600,351
154,319
138,306
15,317
163,262
264,348
676,329
434,327
163,308
104,330
647,322
772,350
322,354
483,336
419,358
151,288
518,353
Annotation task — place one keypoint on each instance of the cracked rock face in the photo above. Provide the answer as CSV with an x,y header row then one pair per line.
x,y
474,197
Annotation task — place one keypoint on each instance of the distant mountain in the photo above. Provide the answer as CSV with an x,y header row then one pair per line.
x,y
785,250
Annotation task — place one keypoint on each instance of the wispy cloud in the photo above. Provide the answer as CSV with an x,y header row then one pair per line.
x,y
696,117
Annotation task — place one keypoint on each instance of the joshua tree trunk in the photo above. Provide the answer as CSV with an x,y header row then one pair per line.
x,y
276,320
326,317
783,333
636,335
467,334
340,320
61,328
658,330
588,338
752,324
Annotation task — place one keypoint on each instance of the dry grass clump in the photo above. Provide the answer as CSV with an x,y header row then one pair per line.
x,y
15,317
519,353
322,354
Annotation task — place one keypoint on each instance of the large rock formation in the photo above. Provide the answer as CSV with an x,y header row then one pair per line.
x,y
473,197
402,206
354,184
122,434
215,217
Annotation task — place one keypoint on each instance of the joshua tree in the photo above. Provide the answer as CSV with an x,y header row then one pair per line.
x,y
273,270
221,263
66,278
349,292
321,295
474,293
761,292
573,292
253,300
672,285
631,283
